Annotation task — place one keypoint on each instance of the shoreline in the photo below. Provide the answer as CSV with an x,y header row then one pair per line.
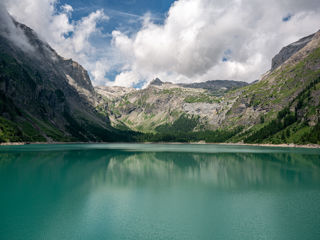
x,y
290,145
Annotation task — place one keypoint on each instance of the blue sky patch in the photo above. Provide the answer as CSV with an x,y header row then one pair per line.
x,y
287,18
139,85
224,59
124,15
226,55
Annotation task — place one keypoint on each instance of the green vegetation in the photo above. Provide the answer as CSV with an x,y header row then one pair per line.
x,y
207,136
9,131
21,131
289,126
203,98
183,124
312,136
172,91
182,130
30,133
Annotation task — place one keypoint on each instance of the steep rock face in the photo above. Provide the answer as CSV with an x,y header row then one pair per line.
x,y
289,50
44,97
56,68
79,79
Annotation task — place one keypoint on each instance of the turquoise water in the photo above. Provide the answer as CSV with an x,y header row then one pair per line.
x,y
154,191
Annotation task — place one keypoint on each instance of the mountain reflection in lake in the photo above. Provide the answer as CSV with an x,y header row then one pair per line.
x,y
74,192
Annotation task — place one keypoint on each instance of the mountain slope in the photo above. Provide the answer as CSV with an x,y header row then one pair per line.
x,y
285,100
216,86
289,50
289,98
163,103
44,97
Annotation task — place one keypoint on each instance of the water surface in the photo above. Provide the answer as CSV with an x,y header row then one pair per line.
x,y
154,191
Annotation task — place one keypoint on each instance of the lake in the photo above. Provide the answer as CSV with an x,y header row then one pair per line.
x,y
159,191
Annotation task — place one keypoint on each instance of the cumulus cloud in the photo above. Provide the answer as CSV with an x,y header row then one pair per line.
x,y
204,39
71,39
199,40
9,30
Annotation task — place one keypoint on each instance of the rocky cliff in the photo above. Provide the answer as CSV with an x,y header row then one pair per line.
x,y
44,97
289,50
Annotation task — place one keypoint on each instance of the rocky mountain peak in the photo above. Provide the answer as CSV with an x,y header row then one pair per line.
x,y
290,50
156,82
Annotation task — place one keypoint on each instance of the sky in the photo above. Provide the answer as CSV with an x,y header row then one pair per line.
x,y
130,42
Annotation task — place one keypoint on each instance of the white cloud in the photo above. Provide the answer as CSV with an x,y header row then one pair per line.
x,y
12,32
127,77
99,69
198,34
199,40
67,8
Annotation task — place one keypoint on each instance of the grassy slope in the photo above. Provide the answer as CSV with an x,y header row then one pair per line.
x,y
286,101
292,95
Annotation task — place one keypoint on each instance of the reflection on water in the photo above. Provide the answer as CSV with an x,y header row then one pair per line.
x,y
221,170
105,193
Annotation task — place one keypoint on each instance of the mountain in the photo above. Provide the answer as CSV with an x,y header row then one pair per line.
x,y
289,50
216,86
282,107
44,97
156,82
163,102
112,92
286,100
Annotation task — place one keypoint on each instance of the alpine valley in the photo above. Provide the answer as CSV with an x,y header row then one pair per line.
x,y
47,98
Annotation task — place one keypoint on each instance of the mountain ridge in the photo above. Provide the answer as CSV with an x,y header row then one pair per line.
x,y
47,98
286,52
